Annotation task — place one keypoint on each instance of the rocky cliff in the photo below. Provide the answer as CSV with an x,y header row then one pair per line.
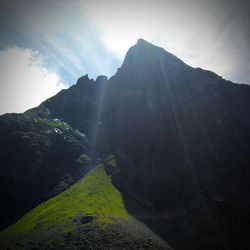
x,y
180,137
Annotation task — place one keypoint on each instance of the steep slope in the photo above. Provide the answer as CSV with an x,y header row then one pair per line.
x,y
79,104
40,156
182,137
82,107
89,215
48,148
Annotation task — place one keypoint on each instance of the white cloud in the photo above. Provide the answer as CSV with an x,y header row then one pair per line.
x,y
207,34
24,80
92,36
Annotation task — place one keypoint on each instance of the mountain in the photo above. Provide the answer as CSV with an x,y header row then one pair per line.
x,y
183,138
89,215
180,137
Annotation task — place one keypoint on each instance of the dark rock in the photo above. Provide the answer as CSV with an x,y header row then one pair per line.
x,y
180,135
86,219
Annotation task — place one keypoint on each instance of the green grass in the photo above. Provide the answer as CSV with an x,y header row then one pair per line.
x,y
59,124
83,159
58,222
93,195
111,161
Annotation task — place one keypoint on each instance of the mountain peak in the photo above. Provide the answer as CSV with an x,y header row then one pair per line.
x,y
145,45
144,54
84,78
84,82
141,41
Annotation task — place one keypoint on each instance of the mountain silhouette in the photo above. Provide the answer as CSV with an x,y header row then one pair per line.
x,y
180,138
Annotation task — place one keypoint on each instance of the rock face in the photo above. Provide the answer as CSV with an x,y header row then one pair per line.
x,y
78,105
181,138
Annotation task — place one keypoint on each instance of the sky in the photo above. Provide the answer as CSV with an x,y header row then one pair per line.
x,y
45,45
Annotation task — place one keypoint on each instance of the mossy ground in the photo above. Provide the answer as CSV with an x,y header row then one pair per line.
x,y
89,215
93,195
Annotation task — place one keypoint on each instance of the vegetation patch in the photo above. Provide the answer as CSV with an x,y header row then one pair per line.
x,y
83,159
94,196
56,123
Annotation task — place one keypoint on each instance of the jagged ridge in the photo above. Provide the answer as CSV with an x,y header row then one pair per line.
x,y
181,139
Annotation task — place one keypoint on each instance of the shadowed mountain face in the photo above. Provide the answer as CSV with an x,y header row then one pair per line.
x,y
40,157
180,136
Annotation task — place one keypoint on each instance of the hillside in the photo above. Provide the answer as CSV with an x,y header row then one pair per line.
x,y
40,157
89,215
181,139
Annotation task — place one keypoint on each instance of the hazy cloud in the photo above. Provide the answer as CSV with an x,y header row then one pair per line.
x,y
90,36
60,32
211,34
25,83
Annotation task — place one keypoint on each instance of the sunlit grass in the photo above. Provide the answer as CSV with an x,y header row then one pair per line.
x,y
93,195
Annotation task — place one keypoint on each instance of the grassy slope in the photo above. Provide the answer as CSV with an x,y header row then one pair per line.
x,y
93,195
